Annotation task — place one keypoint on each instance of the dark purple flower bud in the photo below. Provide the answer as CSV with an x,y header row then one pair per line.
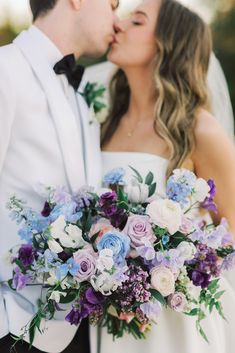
x,y
200,279
46,210
64,256
107,198
26,254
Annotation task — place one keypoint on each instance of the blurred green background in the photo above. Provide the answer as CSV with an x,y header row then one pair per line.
x,y
220,14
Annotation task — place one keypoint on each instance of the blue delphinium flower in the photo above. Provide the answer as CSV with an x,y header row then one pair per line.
x,y
68,210
70,267
115,176
180,186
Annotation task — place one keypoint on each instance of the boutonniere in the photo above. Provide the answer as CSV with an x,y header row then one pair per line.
x,y
96,99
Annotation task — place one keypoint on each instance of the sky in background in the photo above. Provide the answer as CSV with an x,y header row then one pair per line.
x,y
18,10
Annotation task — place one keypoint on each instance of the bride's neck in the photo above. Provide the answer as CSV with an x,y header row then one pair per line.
x,y
142,99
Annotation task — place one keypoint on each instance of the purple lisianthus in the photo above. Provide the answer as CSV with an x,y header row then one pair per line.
x,y
139,229
200,279
26,254
209,203
19,279
107,198
110,210
116,241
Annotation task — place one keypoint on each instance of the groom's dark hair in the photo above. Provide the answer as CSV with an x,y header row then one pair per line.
x,y
40,7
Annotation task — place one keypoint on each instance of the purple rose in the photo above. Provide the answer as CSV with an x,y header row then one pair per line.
x,y
86,258
139,229
26,254
177,301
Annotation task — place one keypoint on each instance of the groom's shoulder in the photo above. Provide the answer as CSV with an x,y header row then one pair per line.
x,y
9,55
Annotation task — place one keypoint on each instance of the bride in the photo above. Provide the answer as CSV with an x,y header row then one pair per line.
x,y
159,120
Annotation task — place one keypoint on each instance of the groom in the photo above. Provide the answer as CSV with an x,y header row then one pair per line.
x,y
45,137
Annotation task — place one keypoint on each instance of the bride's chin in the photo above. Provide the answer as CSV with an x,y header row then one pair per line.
x,y
112,58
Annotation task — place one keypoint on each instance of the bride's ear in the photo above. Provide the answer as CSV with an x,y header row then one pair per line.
x,y
76,4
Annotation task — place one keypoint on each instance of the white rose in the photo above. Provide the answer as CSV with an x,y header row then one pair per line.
x,y
137,193
165,214
104,283
187,250
56,296
162,279
54,246
75,235
201,190
105,260
57,227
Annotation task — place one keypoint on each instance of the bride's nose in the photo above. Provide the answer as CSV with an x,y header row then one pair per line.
x,y
118,25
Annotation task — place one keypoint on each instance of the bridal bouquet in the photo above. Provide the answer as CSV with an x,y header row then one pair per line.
x,y
123,255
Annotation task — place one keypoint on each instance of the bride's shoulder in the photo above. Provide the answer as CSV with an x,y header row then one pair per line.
x,y
209,134
207,126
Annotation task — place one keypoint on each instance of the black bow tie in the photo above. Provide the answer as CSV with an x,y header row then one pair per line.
x,y
68,66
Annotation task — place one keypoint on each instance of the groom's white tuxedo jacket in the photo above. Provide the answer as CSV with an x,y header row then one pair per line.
x,y
43,139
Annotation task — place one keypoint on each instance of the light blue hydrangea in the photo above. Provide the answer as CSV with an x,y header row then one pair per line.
x,y
115,176
180,186
68,210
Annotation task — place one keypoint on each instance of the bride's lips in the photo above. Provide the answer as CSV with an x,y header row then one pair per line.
x,y
115,41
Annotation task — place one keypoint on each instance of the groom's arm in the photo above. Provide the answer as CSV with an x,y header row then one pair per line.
x,y
7,110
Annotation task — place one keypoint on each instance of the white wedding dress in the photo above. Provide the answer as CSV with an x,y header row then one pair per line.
x,y
174,333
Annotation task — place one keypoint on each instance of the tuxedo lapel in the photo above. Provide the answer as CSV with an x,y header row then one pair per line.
x,y
91,134
67,127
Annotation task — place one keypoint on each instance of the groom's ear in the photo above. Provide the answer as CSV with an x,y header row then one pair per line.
x,y
76,4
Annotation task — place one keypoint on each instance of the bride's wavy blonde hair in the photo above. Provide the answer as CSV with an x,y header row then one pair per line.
x,y
184,46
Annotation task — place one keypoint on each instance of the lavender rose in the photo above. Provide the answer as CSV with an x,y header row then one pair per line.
x,y
177,301
86,258
139,229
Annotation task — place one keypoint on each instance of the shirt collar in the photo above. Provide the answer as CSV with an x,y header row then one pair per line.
x,y
50,51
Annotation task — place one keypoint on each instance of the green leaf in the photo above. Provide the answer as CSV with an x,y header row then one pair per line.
x,y
213,286
219,294
149,178
137,175
152,189
69,297
94,237
157,295
220,310
193,312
